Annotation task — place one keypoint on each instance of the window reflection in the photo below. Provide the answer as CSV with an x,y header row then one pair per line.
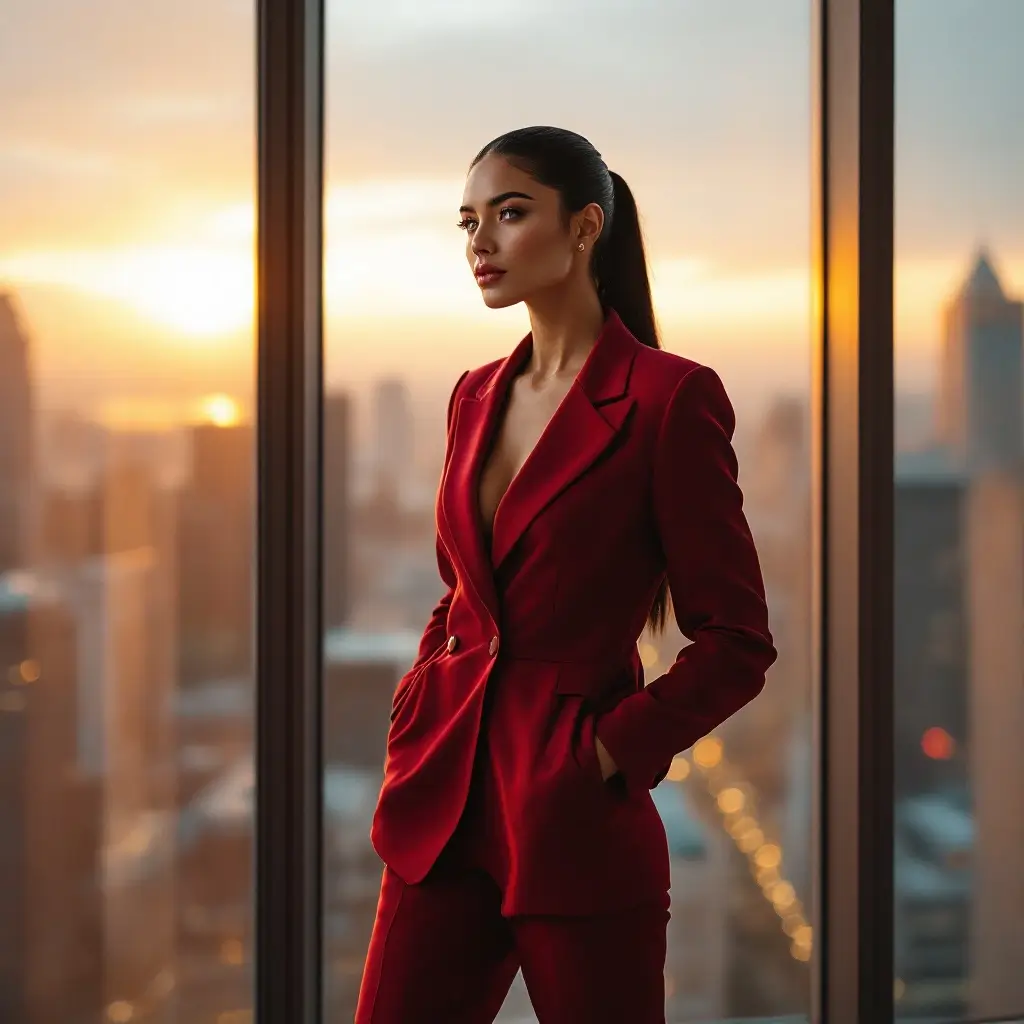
x,y
720,167
959,511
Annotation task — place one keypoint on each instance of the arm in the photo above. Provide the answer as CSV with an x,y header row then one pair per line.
x,y
436,631
716,586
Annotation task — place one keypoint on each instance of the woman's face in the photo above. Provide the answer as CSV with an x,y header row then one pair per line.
x,y
517,241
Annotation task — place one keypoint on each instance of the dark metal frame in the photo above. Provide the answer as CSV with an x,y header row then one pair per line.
x,y
289,644
854,166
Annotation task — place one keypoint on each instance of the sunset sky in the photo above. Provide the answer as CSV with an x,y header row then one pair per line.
x,y
127,174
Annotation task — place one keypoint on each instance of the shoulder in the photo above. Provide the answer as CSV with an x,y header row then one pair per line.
x,y
468,383
673,384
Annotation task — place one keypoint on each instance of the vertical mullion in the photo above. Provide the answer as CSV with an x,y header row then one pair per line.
x,y
288,565
854,389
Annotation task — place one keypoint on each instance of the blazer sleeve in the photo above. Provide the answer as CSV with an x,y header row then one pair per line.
x,y
716,586
436,631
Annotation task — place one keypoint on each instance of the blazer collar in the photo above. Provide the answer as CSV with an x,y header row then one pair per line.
x,y
585,423
603,377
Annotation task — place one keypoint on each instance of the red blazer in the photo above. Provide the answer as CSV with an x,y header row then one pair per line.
x,y
633,479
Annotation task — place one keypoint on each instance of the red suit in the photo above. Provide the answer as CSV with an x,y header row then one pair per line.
x,y
532,650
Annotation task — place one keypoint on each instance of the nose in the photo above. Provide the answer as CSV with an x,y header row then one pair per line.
x,y
482,244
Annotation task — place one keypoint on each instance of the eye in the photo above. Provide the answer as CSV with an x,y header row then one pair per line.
x,y
466,224
514,211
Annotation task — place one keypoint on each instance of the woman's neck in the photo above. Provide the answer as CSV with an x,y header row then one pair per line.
x,y
564,332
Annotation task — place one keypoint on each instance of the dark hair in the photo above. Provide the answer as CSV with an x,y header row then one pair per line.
x,y
570,164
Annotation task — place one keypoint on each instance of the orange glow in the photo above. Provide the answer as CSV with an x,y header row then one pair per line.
x,y
937,744
220,410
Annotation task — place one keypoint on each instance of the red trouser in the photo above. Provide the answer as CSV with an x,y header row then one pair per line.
x,y
441,953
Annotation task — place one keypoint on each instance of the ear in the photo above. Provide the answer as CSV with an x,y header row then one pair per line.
x,y
587,225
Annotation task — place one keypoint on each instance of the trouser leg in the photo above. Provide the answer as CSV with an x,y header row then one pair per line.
x,y
440,951
602,969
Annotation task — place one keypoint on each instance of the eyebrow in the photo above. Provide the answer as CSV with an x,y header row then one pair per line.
x,y
498,200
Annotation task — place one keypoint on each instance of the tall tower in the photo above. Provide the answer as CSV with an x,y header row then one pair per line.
x,y
981,398
337,509
393,428
15,437
216,547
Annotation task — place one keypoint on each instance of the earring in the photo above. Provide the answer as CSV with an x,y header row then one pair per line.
x,y
582,247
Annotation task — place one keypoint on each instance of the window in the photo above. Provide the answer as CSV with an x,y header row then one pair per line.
x,y
720,165
127,513
959,647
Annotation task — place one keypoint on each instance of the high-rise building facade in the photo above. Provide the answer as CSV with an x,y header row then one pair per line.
x,y
215,544
337,509
393,436
15,437
981,401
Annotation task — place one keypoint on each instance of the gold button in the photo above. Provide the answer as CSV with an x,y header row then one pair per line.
x,y
453,642
493,646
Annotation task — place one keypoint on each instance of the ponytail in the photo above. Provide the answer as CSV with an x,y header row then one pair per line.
x,y
620,267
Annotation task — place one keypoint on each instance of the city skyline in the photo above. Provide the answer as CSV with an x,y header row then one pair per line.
x,y
129,199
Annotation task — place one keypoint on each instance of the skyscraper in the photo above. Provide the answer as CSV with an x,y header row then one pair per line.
x,y
215,555
15,437
51,914
959,652
981,401
393,435
337,509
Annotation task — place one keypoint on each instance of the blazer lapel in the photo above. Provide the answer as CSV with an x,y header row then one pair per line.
x,y
476,419
583,426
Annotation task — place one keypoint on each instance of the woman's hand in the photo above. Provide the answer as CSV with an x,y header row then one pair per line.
x,y
605,760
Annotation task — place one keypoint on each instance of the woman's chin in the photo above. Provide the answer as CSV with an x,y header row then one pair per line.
x,y
497,298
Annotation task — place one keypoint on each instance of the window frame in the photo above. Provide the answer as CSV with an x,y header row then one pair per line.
x,y
853,392
288,987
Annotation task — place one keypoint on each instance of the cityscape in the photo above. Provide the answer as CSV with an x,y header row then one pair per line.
x,y
126,699
129,336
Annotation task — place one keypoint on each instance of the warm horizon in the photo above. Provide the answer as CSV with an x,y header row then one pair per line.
x,y
129,242
99,302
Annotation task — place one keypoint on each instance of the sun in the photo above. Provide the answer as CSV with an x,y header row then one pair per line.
x,y
199,292
220,410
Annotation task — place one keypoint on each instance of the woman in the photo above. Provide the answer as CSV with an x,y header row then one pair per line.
x,y
587,475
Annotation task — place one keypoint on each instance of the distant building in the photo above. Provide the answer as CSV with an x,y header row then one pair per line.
x,y
394,436
16,438
87,851
51,927
337,509
979,432
959,663
930,633
994,543
216,555
981,398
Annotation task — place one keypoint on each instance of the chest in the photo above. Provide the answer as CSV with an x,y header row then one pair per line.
x,y
526,415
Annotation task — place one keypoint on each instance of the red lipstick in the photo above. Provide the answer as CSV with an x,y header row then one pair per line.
x,y
487,274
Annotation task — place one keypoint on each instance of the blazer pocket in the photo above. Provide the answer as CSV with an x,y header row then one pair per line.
x,y
596,681
588,761
409,680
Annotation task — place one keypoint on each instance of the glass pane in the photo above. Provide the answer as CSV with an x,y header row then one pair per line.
x,y
959,510
704,109
126,512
